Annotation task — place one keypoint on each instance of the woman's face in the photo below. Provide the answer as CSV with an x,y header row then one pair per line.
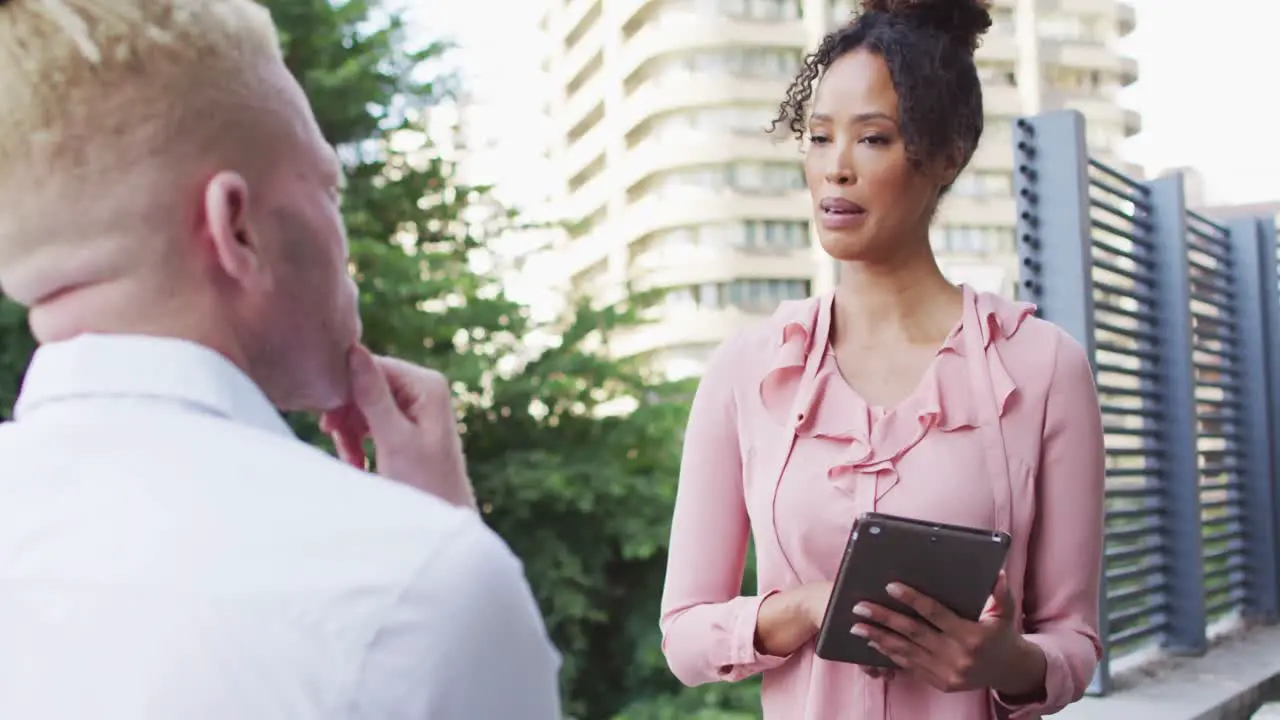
x,y
869,202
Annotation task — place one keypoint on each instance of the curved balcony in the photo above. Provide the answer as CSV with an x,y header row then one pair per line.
x,y
708,206
693,90
1001,101
579,105
625,10
1117,11
993,154
1128,70
1091,56
580,254
682,327
669,34
694,266
1126,19
1108,112
693,149
978,211
581,55
586,150
1001,47
572,15
698,206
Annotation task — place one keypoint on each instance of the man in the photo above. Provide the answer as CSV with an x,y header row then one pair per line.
x,y
168,550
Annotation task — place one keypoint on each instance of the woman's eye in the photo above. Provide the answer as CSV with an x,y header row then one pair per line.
x,y
875,140
818,139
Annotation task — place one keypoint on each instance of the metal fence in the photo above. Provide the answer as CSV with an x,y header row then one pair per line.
x,y
1181,315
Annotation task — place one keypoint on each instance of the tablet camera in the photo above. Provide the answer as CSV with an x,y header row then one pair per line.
x,y
874,529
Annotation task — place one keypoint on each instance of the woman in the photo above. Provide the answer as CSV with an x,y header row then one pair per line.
x,y
898,393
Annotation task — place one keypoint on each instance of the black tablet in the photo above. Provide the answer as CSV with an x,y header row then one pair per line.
x,y
957,566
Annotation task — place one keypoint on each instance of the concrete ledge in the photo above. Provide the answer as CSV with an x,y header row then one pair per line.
x,y
1230,682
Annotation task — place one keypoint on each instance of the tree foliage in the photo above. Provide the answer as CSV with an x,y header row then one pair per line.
x,y
582,496
16,346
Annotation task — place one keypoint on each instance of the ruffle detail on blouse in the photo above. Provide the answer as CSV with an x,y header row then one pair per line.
x,y
944,400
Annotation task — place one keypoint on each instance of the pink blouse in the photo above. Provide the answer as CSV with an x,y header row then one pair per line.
x,y
1004,431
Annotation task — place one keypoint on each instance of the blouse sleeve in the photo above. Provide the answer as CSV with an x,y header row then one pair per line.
x,y
708,628
1065,552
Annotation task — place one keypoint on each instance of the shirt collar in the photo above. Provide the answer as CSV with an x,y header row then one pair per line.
x,y
145,367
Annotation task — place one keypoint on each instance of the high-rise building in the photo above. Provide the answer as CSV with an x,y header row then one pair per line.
x,y
658,112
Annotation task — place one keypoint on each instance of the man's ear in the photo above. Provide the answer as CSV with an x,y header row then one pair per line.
x,y
226,211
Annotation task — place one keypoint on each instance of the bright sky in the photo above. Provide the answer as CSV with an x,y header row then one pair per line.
x,y
1207,88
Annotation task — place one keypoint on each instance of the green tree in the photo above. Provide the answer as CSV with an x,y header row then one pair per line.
x,y
16,345
584,499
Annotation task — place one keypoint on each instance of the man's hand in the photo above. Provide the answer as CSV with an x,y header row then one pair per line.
x,y
408,411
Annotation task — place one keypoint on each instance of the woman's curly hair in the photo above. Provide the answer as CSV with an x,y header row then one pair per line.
x,y
928,46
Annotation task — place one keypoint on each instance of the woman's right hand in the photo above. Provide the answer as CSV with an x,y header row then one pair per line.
x,y
791,618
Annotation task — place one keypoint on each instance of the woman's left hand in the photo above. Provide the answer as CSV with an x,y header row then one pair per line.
x,y
948,652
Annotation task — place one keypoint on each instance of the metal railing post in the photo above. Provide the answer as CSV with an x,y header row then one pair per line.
x,y
1255,284
1052,189
1177,445
1052,185
1269,273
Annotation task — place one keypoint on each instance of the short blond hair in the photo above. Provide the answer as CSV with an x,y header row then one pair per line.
x,y
101,103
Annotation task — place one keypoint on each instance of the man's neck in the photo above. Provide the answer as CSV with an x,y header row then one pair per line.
x,y
125,308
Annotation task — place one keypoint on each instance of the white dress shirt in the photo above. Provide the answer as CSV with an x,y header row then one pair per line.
x,y
169,550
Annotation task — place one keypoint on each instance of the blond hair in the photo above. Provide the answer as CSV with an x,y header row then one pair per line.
x,y
107,107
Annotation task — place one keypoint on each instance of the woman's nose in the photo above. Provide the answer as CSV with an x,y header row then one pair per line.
x,y
840,176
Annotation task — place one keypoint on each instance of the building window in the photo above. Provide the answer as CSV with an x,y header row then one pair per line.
x,y
756,296
766,178
1002,21
1071,28
1077,81
743,63
685,244
971,240
983,184
772,10
843,12
752,178
998,74
732,119
762,296
775,235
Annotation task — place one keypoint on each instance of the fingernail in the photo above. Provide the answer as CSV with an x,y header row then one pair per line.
x,y
859,630
862,610
895,590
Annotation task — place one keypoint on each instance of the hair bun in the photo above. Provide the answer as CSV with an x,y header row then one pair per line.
x,y
964,21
